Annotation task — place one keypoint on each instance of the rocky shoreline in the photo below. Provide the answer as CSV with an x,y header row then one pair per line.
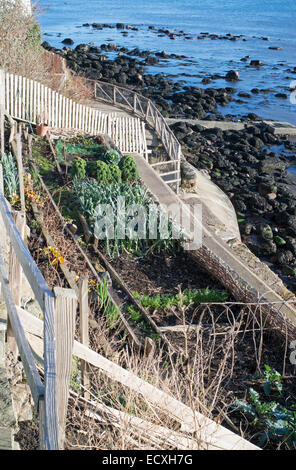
x,y
248,165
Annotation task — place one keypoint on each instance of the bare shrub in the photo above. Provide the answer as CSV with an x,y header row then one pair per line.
x,y
224,349
20,41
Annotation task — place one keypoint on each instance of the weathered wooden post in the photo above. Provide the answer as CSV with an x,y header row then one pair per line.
x,y
19,159
65,314
2,107
84,336
15,276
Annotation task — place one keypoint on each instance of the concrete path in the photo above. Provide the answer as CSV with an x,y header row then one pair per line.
x,y
236,267
278,128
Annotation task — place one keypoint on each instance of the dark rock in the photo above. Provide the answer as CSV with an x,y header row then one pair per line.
x,y
68,41
256,63
232,76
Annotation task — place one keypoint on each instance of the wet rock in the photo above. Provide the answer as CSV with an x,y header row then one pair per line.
x,y
68,41
272,164
284,256
256,63
281,95
232,76
265,231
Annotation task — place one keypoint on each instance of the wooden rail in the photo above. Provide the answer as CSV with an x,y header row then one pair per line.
x,y
45,299
30,101
146,110
58,310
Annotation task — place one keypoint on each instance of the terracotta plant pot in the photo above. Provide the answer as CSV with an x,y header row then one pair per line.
x,y
41,129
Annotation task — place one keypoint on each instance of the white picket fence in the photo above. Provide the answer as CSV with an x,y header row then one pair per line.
x,y
33,102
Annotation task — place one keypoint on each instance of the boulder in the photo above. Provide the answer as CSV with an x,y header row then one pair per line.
x,y
232,76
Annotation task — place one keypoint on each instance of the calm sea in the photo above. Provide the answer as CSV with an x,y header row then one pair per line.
x,y
254,19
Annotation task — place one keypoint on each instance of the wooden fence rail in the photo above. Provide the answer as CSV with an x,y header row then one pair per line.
x,y
146,110
45,299
58,309
30,101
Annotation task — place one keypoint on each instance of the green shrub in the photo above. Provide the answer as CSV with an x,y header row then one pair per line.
x,y
274,421
188,296
115,173
79,168
91,168
103,174
111,157
128,168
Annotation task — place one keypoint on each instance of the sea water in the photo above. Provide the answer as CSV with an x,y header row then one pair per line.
x,y
272,19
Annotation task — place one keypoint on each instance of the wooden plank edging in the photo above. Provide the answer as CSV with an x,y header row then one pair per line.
x,y
209,433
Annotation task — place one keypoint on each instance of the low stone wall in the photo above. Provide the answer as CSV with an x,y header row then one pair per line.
x,y
280,315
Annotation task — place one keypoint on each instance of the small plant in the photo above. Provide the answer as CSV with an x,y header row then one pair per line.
x,y
129,168
10,176
78,169
103,174
115,173
277,422
111,157
187,297
272,380
106,304
54,255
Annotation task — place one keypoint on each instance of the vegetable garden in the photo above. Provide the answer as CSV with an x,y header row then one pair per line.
x,y
216,355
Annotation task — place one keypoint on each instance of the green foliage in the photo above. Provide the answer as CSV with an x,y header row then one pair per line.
x,y
34,35
272,380
105,303
129,168
130,227
79,146
279,240
115,173
111,157
187,297
277,422
103,174
10,176
78,169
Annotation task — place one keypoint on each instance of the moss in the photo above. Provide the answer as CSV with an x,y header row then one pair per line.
x,y
279,240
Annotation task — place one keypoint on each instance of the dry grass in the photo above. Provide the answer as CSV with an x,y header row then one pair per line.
x,y
20,48
21,53
225,351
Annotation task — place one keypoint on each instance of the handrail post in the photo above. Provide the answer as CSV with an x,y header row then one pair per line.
x,y
65,316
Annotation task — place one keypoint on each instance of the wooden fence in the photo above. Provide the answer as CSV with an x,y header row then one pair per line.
x,y
146,110
30,101
59,312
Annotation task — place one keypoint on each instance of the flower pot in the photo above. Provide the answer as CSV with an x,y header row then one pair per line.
x,y
41,129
